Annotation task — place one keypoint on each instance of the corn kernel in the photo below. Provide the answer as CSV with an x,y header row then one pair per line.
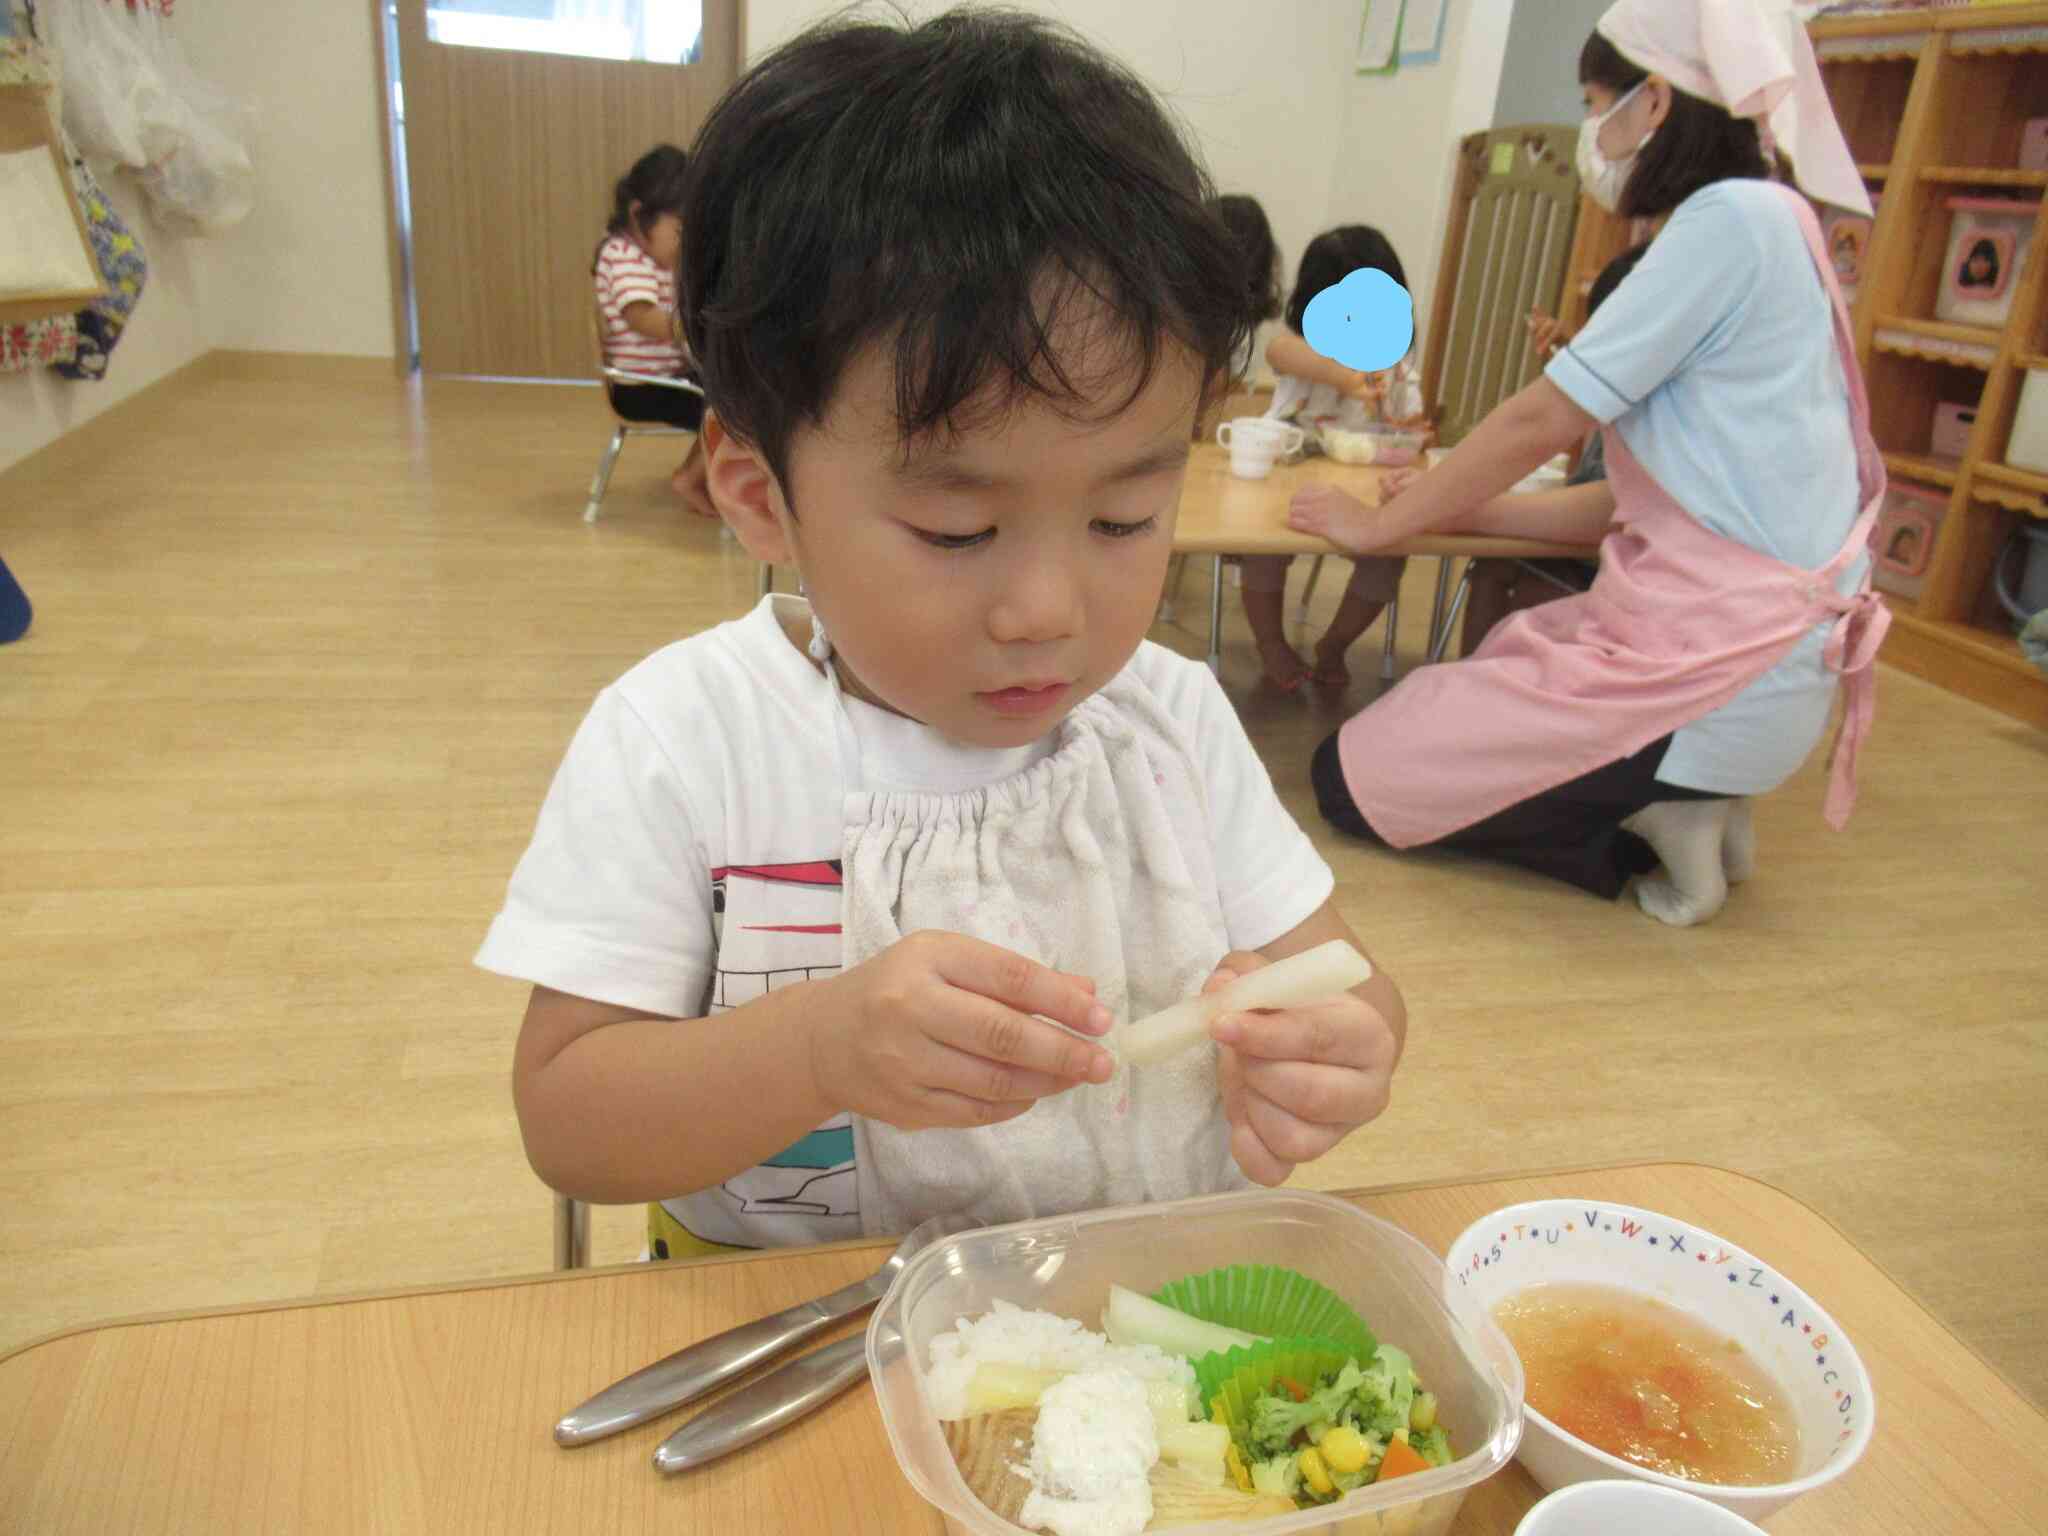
x,y
1344,1449
1314,1473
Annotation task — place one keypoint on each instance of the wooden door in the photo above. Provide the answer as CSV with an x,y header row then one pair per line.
x,y
511,158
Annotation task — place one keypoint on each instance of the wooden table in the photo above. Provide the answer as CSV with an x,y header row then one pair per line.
x,y
1223,515
430,1410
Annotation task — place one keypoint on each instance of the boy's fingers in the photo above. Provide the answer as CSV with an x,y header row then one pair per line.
x,y
953,1109
987,1081
1259,1164
1022,983
1286,1138
1333,1033
1312,1093
1239,962
1004,1038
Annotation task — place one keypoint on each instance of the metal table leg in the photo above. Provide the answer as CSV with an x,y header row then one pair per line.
x,y
1442,641
1216,617
1436,607
1392,619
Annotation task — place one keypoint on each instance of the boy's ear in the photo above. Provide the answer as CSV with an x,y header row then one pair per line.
x,y
746,494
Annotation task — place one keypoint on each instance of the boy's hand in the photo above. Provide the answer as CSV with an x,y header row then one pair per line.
x,y
1296,1081
938,1030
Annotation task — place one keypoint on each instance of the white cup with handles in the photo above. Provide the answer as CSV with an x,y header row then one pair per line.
x,y
1256,443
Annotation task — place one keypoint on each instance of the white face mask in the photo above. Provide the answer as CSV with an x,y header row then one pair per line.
x,y
1603,178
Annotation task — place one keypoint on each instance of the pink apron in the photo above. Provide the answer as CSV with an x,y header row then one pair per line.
x,y
1678,622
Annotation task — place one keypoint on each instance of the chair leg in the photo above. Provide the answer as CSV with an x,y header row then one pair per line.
x,y
1176,571
1315,572
603,477
1216,619
1441,641
572,1233
1392,619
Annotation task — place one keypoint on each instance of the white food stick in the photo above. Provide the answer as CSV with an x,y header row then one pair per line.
x,y
1309,977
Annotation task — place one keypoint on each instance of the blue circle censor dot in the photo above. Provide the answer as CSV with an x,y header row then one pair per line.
x,y
1366,322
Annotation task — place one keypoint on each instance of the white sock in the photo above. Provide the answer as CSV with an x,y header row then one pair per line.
x,y
1686,835
1738,844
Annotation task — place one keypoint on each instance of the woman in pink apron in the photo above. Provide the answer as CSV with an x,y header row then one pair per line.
x,y
1598,737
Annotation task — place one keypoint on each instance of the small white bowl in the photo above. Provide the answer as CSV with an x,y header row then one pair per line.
x,y
1591,1242
1629,1509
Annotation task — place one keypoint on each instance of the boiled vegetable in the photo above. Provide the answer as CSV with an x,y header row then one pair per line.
x,y
994,1387
1400,1460
1198,1450
1135,1319
1312,976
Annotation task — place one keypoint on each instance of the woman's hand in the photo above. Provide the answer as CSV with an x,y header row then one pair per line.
x,y
1296,1081
940,1029
1343,519
1546,332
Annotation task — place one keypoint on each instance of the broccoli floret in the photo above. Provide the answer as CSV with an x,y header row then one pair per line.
x,y
1384,1395
1432,1445
1276,1418
1277,1475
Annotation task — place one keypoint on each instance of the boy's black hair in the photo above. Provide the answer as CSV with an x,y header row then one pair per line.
x,y
1331,257
1695,146
965,191
655,183
1248,227
1610,277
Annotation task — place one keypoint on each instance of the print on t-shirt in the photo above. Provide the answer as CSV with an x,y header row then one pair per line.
x,y
776,925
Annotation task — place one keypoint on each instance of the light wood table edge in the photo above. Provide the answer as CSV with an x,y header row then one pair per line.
x,y
882,1244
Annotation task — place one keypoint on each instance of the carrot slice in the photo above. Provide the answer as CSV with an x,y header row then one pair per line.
x,y
1293,1388
1401,1458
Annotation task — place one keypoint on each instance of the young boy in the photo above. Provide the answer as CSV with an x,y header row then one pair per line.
x,y
829,907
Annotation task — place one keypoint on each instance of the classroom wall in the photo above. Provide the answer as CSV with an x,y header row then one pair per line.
x,y
169,330
1544,38
1277,109
307,271
1397,139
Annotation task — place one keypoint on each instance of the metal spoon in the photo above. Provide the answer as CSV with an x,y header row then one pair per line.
x,y
690,1373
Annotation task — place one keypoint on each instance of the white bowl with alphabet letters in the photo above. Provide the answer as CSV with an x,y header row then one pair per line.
x,y
1737,1295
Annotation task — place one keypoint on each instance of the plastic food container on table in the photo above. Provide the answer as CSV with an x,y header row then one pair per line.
x,y
1067,1264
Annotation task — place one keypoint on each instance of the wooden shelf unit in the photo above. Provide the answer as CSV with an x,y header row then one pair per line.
x,y
1932,103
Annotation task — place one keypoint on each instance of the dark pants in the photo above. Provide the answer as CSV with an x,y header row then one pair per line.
x,y
1571,832
650,402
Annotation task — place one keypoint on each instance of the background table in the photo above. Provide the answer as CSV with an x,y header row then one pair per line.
x,y
1223,515
431,1410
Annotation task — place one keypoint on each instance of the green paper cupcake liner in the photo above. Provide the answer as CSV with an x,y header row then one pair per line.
x,y
1240,1376
1265,1299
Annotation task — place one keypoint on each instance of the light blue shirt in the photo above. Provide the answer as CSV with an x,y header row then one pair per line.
x,y
1715,359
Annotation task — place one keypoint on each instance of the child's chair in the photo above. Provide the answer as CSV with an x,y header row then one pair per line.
x,y
609,374
572,1233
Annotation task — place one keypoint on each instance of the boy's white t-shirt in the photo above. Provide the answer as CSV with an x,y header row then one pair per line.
x,y
686,861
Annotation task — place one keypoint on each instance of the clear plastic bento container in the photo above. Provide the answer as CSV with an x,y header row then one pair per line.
x,y
1066,1265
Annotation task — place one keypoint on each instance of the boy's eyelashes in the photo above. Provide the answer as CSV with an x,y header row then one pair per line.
x,y
1107,527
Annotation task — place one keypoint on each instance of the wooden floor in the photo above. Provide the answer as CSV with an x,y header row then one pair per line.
x,y
309,644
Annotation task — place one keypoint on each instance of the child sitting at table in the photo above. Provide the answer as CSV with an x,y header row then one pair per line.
x,y
830,907
1314,391
633,277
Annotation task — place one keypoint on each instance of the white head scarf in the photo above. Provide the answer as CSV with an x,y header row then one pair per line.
x,y
1753,58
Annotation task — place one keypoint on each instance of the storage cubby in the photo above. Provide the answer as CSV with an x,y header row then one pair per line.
x,y
1869,94
1975,75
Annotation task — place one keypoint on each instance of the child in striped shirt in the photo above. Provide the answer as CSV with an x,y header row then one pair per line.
x,y
633,276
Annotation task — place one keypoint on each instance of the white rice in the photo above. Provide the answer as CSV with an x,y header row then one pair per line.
x,y
1043,1341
